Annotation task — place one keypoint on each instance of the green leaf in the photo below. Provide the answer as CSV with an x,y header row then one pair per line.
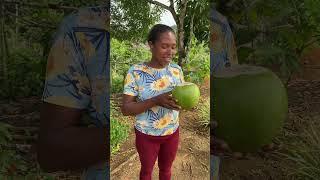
x,y
244,53
244,36
5,135
253,16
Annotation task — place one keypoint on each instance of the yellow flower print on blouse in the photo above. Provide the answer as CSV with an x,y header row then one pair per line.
x,y
175,72
163,122
128,79
160,84
145,69
168,131
136,76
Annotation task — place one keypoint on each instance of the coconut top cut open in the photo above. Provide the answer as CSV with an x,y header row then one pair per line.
x,y
185,84
239,69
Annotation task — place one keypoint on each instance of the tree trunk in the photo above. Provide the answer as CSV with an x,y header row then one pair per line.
x,y
3,55
17,26
180,25
181,47
190,38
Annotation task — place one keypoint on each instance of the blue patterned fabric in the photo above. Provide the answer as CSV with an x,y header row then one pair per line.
x,y
222,46
78,69
214,167
146,82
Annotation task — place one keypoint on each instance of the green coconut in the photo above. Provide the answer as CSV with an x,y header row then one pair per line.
x,y
250,105
187,94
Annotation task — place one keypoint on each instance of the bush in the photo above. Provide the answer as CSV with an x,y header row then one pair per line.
x,y
124,55
12,164
26,73
198,65
118,130
117,83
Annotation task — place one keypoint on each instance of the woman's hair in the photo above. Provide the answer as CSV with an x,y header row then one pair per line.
x,y
157,30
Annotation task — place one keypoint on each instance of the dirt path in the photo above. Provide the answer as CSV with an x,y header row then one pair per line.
x,y
191,163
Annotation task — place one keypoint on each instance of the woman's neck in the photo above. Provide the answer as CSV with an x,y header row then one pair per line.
x,y
155,64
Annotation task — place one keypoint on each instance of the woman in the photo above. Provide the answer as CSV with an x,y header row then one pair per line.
x,y
147,96
76,96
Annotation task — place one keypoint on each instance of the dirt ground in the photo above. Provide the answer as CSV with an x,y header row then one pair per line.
x,y
192,161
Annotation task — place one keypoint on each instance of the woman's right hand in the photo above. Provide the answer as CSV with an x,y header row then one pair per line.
x,y
166,100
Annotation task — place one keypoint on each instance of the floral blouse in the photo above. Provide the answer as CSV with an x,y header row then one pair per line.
x,y
145,82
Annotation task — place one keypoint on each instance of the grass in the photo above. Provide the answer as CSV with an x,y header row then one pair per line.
x,y
303,152
203,112
12,164
119,131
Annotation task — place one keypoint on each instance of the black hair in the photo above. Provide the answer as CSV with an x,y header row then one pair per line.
x,y
156,30
223,6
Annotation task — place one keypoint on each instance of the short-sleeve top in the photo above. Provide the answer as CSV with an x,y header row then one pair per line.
x,y
145,82
222,45
77,73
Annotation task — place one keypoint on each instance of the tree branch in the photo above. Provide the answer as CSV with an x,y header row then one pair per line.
x,y
159,4
169,8
33,23
309,44
190,37
173,12
183,11
172,3
48,5
184,7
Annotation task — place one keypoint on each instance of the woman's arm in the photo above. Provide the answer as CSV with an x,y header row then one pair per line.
x,y
64,146
131,107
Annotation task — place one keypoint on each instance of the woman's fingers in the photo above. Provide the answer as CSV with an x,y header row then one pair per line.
x,y
170,104
167,106
174,105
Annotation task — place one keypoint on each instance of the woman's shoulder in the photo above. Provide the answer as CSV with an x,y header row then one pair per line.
x,y
174,65
136,66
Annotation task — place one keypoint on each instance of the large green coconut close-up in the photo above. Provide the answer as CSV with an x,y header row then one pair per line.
x,y
249,104
187,94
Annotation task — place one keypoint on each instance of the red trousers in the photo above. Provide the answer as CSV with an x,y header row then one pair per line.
x,y
152,147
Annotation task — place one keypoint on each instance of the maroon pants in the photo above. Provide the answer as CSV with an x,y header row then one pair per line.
x,y
152,147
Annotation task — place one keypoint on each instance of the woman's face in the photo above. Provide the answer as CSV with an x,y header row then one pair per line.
x,y
164,48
